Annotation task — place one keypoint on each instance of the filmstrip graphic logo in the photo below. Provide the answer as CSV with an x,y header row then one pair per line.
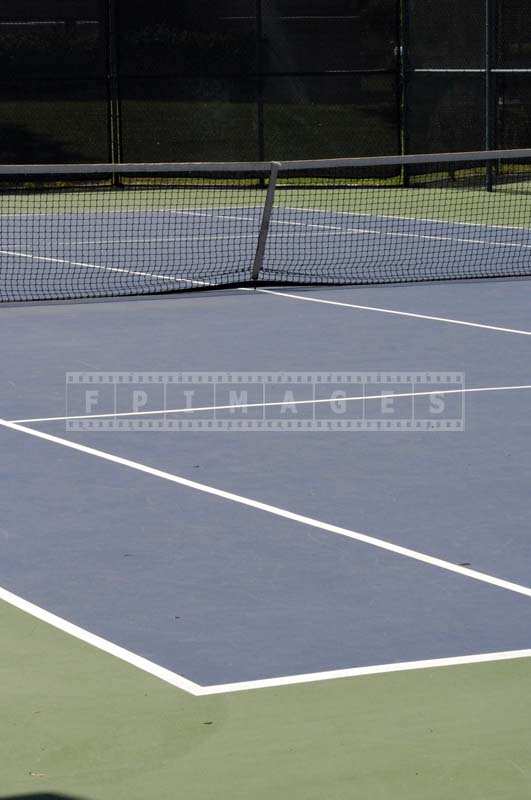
x,y
265,401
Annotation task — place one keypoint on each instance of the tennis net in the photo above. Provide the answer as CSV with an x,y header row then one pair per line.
x,y
80,231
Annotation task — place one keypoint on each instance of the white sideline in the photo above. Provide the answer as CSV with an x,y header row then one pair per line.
x,y
289,295
100,644
382,544
197,690
235,407
189,686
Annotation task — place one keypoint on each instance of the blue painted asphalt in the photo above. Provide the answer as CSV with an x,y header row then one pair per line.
x,y
222,593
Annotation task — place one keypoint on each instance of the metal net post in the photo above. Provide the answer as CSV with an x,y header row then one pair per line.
x,y
266,221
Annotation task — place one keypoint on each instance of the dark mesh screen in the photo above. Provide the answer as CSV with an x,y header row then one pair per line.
x,y
189,120
514,34
323,35
52,47
251,79
446,113
514,111
330,116
446,33
52,9
51,121
189,37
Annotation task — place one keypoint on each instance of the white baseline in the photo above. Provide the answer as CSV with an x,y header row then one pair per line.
x,y
190,686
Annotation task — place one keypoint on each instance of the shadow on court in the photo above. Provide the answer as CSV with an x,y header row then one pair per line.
x,y
42,796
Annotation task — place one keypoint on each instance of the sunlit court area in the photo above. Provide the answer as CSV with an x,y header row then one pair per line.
x,y
264,403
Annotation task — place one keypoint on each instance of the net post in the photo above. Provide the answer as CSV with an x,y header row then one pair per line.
x,y
266,220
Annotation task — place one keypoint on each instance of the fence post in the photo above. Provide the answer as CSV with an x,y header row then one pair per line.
x,y
403,66
260,79
113,84
490,88
266,221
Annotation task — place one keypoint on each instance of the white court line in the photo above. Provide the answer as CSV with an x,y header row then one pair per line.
x,y
235,407
382,544
197,690
101,644
485,225
221,213
193,688
339,230
357,672
278,293
159,240
170,278
375,217
51,215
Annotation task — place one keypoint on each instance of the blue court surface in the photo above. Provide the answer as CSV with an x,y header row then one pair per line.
x,y
274,540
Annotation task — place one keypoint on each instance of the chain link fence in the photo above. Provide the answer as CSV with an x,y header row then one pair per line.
x,y
233,80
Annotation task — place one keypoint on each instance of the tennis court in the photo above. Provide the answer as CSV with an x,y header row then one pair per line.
x,y
270,540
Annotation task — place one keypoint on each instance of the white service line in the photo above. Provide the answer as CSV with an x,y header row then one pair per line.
x,y
235,407
341,231
337,229
382,544
447,222
290,296
357,672
101,644
159,240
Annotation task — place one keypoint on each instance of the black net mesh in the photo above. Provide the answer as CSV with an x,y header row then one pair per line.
x,y
73,232
361,228
71,235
